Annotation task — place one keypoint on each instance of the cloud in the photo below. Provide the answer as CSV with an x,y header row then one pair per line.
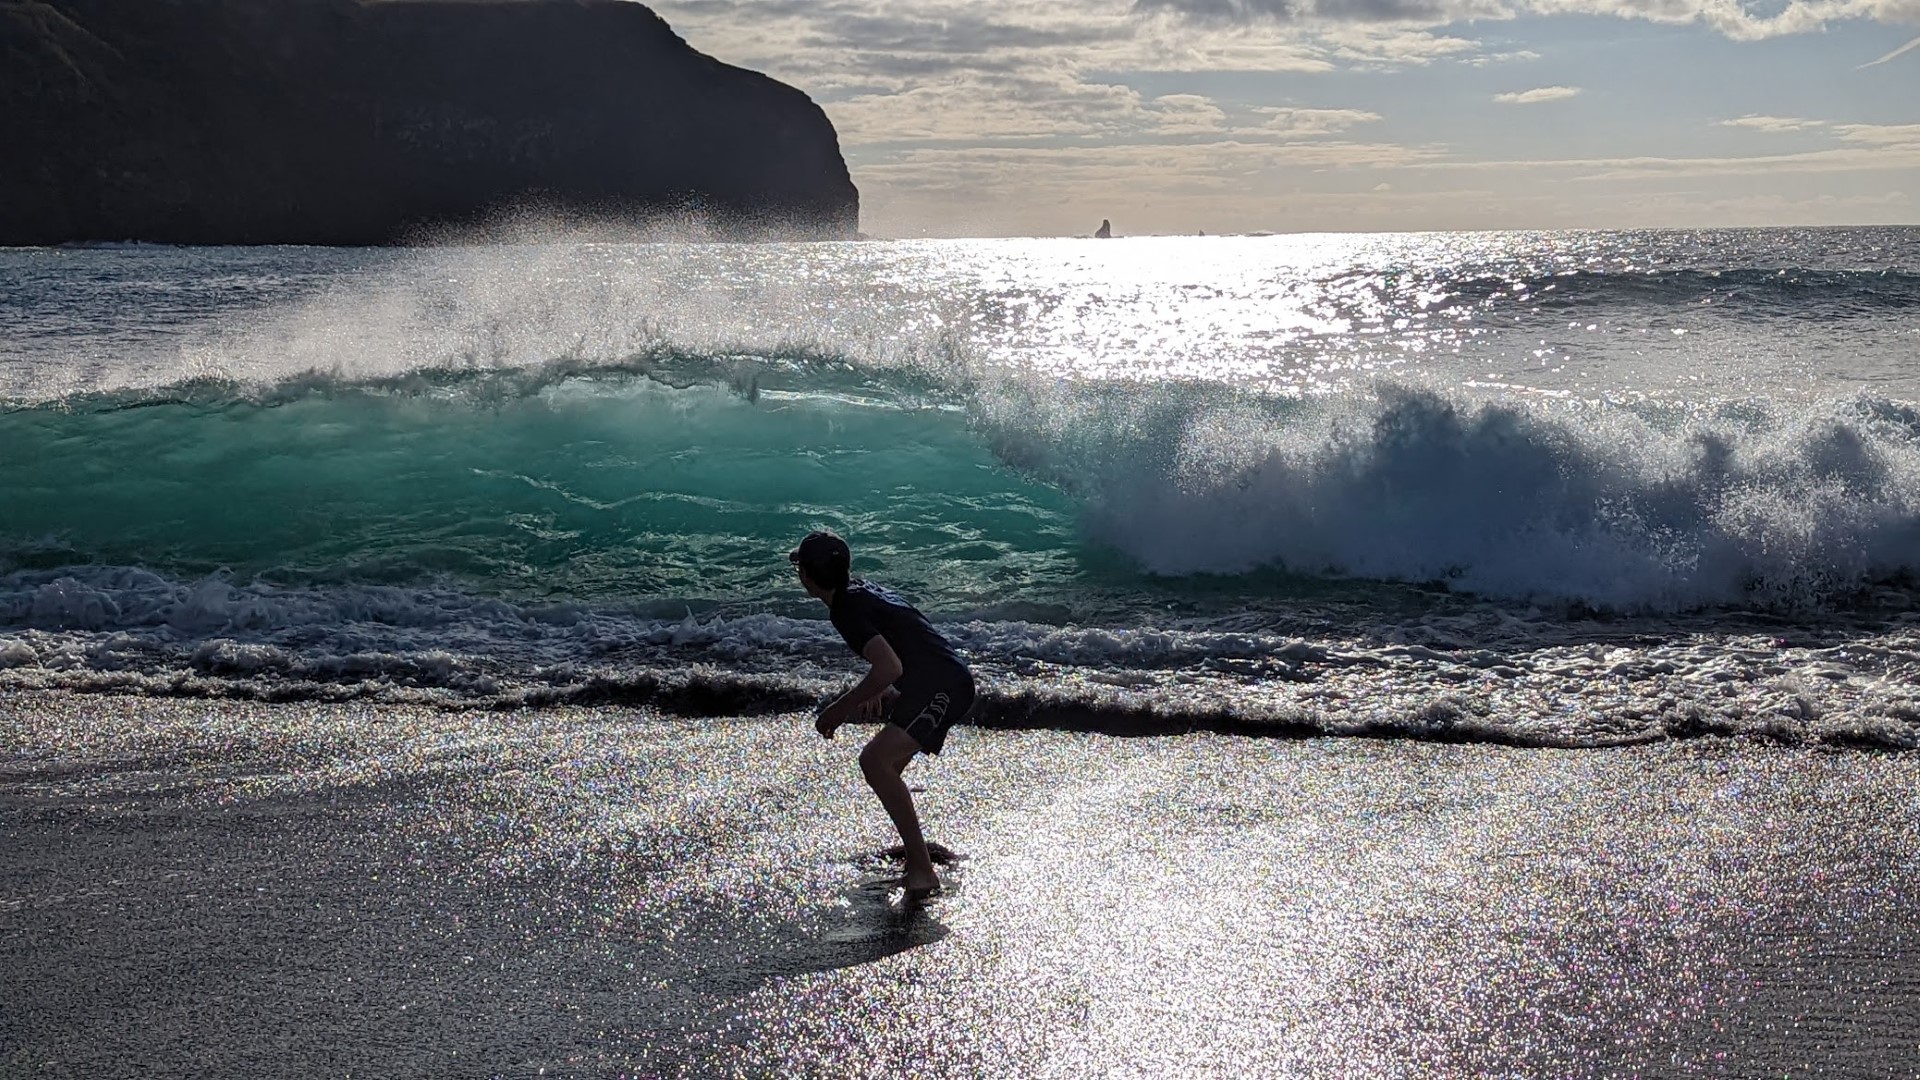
x,y
1386,46
1886,136
944,71
1537,96
987,107
1890,149
1319,184
1895,136
827,47
848,48
1773,124
1018,102
1037,174
1489,59
1730,18
832,41
1309,123
1890,136
1414,12
1179,114
948,29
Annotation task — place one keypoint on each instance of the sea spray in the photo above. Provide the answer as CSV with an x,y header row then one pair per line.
x,y
1617,506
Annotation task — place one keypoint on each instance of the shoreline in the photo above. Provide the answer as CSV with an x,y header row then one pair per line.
x,y
233,888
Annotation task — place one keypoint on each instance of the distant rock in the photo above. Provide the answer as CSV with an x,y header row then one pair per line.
x,y
1105,231
368,121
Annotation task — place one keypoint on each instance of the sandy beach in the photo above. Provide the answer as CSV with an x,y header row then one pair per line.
x,y
202,889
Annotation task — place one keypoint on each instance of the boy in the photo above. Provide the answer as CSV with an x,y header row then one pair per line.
x,y
917,683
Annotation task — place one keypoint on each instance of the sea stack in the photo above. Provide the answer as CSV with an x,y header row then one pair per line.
x,y
376,121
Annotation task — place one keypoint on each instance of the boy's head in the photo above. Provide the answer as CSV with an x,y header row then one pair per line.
x,y
825,559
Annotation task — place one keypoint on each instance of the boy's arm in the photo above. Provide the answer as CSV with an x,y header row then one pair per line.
x,y
885,671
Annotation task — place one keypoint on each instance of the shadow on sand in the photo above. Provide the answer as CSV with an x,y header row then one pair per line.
x,y
878,921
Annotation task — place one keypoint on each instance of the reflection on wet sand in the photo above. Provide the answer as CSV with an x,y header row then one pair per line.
x,y
197,888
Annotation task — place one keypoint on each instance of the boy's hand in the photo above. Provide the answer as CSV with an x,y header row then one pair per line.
x,y
829,720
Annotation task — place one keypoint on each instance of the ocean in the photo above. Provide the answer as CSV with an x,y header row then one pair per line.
x,y
1554,489
1516,635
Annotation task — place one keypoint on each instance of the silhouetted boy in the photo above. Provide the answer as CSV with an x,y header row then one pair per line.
x,y
918,684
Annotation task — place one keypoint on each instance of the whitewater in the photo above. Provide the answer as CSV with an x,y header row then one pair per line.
x,y
1540,489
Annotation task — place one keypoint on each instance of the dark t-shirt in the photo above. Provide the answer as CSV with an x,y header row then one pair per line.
x,y
864,609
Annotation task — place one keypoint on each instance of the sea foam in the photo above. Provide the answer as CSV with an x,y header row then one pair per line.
x,y
1623,506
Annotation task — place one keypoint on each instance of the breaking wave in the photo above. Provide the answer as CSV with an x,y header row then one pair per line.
x,y
678,480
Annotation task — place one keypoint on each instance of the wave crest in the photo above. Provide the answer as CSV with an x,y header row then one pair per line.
x,y
1622,507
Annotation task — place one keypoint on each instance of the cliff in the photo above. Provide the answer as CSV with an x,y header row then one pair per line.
x,y
364,121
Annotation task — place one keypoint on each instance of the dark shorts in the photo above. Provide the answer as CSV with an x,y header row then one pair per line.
x,y
926,708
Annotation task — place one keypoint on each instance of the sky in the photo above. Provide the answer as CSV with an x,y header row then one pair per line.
x,y
1043,117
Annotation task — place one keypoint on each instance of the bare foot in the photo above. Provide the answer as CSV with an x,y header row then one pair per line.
x,y
921,886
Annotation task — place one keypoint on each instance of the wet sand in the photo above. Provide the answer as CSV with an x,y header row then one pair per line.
x,y
193,888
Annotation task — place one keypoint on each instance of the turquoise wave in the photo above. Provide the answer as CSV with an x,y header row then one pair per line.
x,y
677,482
665,482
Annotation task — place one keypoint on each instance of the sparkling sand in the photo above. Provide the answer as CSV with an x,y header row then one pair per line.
x,y
211,888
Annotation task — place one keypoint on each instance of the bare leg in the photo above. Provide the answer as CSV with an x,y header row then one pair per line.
x,y
883,761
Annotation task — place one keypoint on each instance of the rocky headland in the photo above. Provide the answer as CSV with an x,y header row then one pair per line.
x,y
379,121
